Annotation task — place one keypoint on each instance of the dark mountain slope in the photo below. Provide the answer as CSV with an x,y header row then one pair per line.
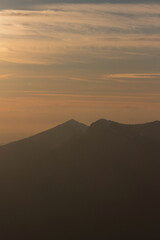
x,y
51,138
103,182
31,150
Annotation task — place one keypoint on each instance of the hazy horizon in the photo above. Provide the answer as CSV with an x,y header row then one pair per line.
x,y
79,119
32,133
77,59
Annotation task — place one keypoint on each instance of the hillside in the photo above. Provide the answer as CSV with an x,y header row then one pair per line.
x,y
81,182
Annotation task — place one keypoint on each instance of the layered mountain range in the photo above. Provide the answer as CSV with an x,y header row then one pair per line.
x,y
82,182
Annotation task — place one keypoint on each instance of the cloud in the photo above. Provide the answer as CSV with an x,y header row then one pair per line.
x,y
56,34
4,76
83,60
134,76
28,4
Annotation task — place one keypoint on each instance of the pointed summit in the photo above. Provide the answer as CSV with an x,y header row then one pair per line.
x,y
73,122
54,137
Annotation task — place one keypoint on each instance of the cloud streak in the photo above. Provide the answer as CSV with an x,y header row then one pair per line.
x,y
51,34
25,4
82,60
134,76
4,76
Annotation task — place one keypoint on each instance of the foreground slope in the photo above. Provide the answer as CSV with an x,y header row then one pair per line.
x,y
82,182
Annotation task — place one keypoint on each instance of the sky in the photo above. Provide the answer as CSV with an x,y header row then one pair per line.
x,y
83,59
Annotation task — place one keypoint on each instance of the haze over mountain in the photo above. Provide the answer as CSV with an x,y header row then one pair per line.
x,y
82,182
62,58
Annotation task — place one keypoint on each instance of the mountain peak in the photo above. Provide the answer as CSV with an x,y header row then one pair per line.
x,y
102,122
73,123
157,122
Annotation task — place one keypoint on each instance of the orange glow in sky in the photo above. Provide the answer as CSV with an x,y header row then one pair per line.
x,y
82,61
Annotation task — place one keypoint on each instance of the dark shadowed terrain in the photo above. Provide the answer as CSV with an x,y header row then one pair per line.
x,y
80,182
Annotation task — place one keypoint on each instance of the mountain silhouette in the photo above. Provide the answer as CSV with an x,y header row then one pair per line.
x,y
53,137
82,182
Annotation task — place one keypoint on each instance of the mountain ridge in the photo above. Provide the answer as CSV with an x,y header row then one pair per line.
x,y
99,182
74,123
70,127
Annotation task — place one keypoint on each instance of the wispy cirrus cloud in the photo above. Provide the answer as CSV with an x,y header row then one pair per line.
x,y
134,76
54,34
4,76
25,4
79,59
